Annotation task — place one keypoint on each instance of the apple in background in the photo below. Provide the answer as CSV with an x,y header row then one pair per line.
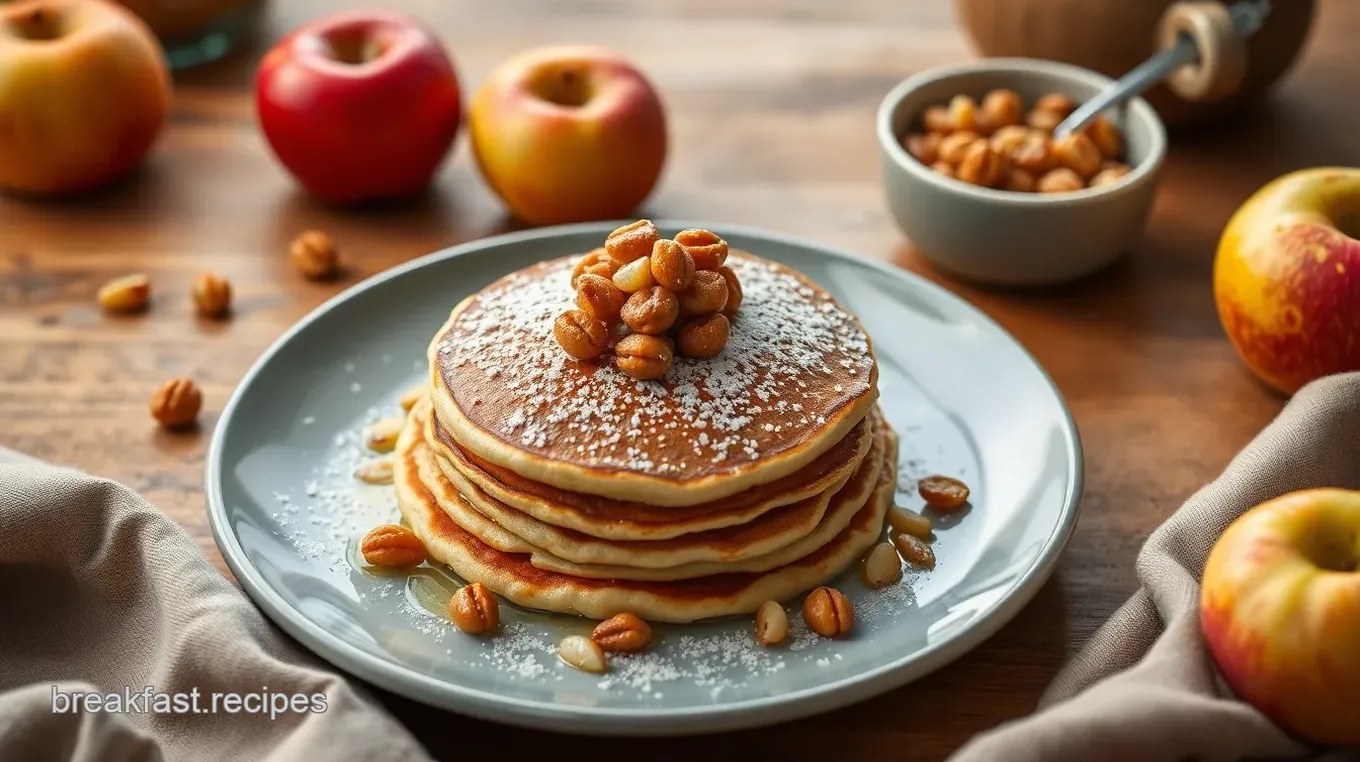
x,y
567,134
1287,277
359,106
1280,611
84,91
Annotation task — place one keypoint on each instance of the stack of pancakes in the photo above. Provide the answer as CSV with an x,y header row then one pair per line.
x,y
569,486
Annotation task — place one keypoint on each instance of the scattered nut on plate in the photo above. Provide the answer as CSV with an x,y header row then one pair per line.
x,y
411,397
828,612
882,566
582,653
623,633
474,609
381,436
315,255
915,551
393,546
212,295
176,403
130,293
378,471
943,493
772,623
909,522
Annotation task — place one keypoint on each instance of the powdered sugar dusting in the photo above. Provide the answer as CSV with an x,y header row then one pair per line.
x,y
793,359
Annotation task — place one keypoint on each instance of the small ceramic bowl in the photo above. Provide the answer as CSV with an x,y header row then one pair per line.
x,y
1003,237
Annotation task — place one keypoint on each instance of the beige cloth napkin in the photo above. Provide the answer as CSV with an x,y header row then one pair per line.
x,y
1144,687
99,591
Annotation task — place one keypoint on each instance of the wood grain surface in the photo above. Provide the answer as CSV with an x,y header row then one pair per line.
x,y
771,106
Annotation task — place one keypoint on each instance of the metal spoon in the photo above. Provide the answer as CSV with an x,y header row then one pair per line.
x,y
1247,17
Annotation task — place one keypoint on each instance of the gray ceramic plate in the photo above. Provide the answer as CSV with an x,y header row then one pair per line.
x,y
966,398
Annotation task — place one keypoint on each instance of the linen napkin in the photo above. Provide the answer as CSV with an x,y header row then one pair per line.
x,y
102,593
1145,687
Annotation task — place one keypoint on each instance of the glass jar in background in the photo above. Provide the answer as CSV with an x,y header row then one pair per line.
x,y
195,32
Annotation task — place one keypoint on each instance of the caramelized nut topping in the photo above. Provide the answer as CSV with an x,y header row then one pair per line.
x,y
1109,175
772,624
1060,180
982,165
599,297
733,291
392,546
1035,155
1000,108
1019,180
707,295
1046,121
953,145
943,493
596,262
943,168
704,337
828,612
474,609
937,119
635,276
1078,153
672,265
708,251
1010,137
623,633
652,311
926,148
915,551
176,403
1103,133
1056,103
580,334
632,241
644,357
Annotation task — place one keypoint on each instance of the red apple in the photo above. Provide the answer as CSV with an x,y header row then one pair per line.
x,y
359,106
1280,610
84,91
1287,277
566,134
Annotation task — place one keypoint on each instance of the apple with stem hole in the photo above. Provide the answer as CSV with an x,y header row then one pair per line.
x,y
84,92
568,134
1280,611
359,106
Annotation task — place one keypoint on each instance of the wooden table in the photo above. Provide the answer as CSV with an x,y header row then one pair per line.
x,y
772,105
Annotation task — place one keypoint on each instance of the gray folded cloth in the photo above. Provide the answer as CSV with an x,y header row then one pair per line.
x,y
102,593
1144,687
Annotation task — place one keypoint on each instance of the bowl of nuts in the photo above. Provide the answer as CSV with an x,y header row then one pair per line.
x,y
976,179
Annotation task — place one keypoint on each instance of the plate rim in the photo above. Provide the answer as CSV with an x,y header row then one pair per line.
x,y
531,713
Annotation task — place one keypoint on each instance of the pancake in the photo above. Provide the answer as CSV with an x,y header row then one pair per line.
x,y
624,520
768,533
796,376
512,574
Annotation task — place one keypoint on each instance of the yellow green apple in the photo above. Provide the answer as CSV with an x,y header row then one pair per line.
x,y
1280,611
84,91
566,134
1287,277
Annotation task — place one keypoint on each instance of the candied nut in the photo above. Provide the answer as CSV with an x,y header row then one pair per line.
x,y
381,436
1106,136
393,546
707,295
596,262
1078,153
631,241
704,337
212,295
1056,103
411,396
378,471
1010,137
130,293
623,633
176,403
1109,175
1000,108
1019,181
583,654
635,276
943,493
672,266
315,255
943,168
708,251
1045,121
982,165
963,113
652,311
580,334
474,609
1035,155
882,566
909,522
772,624
926,148
828,612
644,357
1060,180
733,291
953,146
599,297
937,119
915,551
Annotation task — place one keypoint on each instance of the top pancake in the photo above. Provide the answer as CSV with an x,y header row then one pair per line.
x,y
797,374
